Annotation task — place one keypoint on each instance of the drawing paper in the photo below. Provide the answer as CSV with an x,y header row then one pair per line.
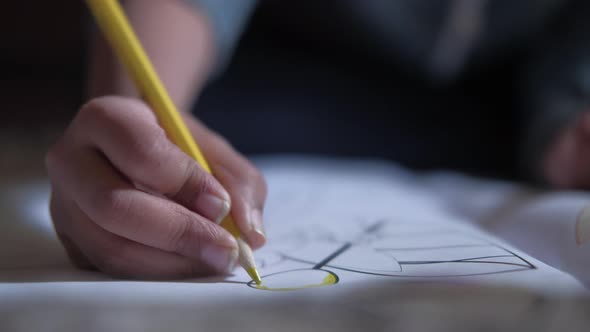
x,y
333,226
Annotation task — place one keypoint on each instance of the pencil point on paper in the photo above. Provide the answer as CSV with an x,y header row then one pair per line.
x,y
247,261
253,273
583,226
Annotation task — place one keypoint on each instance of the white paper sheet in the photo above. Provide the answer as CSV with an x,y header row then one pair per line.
x,y
360,223
539,222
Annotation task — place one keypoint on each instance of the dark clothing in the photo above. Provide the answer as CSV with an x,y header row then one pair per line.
x,y
471,84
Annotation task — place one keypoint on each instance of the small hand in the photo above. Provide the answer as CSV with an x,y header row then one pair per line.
x,y
127,201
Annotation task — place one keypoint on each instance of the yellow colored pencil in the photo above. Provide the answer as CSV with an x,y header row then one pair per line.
x,y
112,20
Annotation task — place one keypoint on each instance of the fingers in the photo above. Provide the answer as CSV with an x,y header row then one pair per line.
x,y
115,146
241,179
137,146
115,206
59,214
121,257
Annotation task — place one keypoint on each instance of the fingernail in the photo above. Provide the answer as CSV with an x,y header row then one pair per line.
x,y
222,259
213,207
258,236
583,226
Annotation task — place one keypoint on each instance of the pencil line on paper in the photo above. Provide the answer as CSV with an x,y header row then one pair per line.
x,y
333,255
456,260
434,247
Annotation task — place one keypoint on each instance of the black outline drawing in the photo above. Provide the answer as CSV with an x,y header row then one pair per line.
x,y
374,228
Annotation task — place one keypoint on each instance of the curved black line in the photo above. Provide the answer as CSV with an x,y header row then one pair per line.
x,y
336,277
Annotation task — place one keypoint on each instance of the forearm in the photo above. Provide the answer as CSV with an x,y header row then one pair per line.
x,y
179,42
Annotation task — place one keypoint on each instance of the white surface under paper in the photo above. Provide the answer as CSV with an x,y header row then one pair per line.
x,y
362,222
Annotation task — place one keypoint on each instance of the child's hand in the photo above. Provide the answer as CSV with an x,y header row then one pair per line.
x,y
567,162
127,201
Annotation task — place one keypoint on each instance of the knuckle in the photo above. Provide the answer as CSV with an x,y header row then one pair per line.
x,y
193,183
96,115
96,109
148,147
182,234
137,136
203,181
112,206
188,234
118,113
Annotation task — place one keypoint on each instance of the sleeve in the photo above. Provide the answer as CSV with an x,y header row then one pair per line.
x,y
228,19
555,84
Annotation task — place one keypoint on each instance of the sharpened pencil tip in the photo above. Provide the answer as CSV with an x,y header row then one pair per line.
x,y
253,273
247,261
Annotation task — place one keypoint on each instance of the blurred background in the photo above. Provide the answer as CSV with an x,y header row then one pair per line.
x,y
304,88
41,61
